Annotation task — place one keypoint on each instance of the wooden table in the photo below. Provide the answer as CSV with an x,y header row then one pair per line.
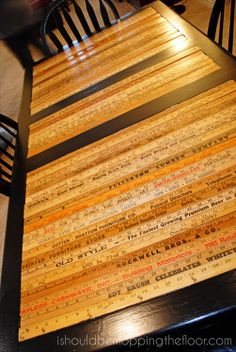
x,y
131,137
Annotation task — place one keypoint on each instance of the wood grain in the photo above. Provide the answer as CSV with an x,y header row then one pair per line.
x,y
75,175
74,163
94,46
59,79
120,242
144,212
104,37
162,125
164,77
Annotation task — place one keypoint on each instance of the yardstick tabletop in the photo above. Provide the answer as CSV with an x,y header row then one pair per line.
x,y
125,222
109,52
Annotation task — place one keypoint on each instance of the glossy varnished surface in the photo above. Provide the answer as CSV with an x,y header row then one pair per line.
x,y
123,45
161,78
141,213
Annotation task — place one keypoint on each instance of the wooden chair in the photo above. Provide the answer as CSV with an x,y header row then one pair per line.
x,y
20,27
8,136
68,27
218,18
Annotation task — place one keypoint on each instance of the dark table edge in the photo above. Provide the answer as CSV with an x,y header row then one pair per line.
x,y
171,312
197,38
131,117
218,55
153,60
10,284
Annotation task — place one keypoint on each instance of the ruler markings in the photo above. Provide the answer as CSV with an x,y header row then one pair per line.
x,y
111,33
116,190
88,110
198,269
56,197
154,216
146,211
123,271
134,136
107,242
71,58
155,188
174,241
141,158
157,32
162,227
143,87
136,50
152,41
155,136
191,105
115,88
67,273
129,218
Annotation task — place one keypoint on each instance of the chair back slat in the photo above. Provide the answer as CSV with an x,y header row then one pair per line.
x,y
218,17
104,14
60,24
71,24
221,30
113,9
55,41
81,18
6,165
6,174
92,16
3,151
8,138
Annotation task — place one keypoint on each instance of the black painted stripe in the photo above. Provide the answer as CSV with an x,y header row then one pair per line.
x,y
213,51
131,117
84,37
165,54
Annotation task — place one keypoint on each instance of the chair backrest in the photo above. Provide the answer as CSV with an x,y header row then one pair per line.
x,y
218,20
8,136
65,25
